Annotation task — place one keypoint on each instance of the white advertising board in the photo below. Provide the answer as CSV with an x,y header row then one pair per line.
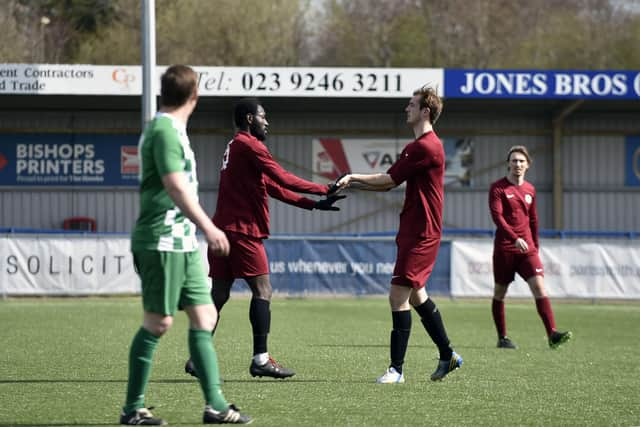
x,y
57,79
68,265
102,264
573,269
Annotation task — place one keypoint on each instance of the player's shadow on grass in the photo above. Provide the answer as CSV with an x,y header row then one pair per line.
x,y
102,381
53,424
161,381
275,380
58,381
352,345
290,381
426,346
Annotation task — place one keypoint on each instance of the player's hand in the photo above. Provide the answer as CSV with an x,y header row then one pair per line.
x,y
218,242
521,245
327,204
340,184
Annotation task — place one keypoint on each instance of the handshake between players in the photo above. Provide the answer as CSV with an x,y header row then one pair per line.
x,y
366,182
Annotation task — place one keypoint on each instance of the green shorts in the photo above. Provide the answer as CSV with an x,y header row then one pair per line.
x,y
171,280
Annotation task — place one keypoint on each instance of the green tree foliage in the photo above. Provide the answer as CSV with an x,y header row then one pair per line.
x,y
477,34
15,47
586,34
205,32
117,43
580,34
627,53
56,27
373,34
231,32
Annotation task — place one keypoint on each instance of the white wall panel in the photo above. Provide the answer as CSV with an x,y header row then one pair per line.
x,y
593,161
470,209
614,122
593,168
113,210
208,150
361,212
64,120
490,159
33,209
491,121
602,210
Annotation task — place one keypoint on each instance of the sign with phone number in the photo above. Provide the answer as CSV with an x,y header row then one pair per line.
x,y
316,82
335,82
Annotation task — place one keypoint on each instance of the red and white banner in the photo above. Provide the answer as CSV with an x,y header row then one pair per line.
x,y
333,157
574,268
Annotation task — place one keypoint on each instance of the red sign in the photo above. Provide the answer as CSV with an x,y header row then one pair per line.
x,y
129,163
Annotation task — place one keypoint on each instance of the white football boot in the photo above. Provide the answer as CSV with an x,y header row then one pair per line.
x,y
391,377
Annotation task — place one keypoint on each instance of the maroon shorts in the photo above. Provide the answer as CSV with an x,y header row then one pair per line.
x,y
414,262
247,258
507,264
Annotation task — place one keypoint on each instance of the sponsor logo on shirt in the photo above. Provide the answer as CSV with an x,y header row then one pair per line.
x,y
539,270
510,196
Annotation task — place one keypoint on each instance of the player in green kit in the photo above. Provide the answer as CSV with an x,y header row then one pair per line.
x,y
166,255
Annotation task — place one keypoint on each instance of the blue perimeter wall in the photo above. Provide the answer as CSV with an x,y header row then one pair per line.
x,y
357,266
363,264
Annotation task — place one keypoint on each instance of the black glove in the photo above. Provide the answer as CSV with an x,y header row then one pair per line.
x,y
327,204
333,187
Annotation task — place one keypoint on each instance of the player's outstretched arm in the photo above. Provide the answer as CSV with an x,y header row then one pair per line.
x,y
294,199
178,190
369,182
263,161
326,204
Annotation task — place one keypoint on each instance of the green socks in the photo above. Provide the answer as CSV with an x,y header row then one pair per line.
x,y
205,361
140,357
202,354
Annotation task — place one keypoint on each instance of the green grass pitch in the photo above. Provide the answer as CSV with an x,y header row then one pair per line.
x,y
63,362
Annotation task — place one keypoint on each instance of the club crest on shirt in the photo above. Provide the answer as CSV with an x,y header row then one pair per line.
x,y
528,198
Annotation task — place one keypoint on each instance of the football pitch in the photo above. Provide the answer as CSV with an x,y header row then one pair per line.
x,y
63,362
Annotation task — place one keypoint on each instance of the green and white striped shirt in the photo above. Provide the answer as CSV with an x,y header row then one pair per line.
x,y
164,148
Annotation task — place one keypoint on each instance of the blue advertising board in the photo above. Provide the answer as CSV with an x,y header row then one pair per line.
x,y
538,84
68,159
341,266
632,163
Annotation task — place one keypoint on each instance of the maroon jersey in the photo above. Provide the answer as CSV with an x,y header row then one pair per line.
x,y
421,165
247,175
513,209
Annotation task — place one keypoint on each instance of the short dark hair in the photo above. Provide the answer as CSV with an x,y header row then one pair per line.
x,y
429,99
519,149
242,108
177,85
